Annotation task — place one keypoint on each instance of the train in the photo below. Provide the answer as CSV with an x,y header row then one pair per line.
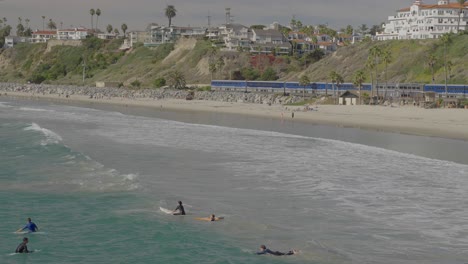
x,y
390,89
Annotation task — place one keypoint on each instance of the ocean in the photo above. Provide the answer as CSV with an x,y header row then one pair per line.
x,y
93,179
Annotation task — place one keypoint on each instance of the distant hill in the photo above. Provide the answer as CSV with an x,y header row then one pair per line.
x,y
61,64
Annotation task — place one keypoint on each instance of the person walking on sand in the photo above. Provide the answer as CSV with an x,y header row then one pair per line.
x,y
292,115
32,227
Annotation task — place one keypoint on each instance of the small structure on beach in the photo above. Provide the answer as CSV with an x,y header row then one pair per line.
x,y
348,98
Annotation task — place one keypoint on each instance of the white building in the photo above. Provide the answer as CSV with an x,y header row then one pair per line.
x,y
11,41
236,36
42,36
74,33
425,21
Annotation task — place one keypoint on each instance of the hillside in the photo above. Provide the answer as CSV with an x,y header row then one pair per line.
x,y
59,64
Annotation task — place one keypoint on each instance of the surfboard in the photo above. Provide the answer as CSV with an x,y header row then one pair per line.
x,y
208,219
29,233
167,211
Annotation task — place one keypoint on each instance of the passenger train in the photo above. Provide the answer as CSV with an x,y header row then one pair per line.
x,y
393,90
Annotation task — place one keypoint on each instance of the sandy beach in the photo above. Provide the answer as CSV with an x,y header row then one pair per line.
x,y
446,123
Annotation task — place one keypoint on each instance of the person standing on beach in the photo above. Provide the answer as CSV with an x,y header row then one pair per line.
x,y
180,209
32,227
23,248
292,114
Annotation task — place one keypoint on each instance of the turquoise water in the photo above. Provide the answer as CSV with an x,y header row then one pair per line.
x,y
93,180
44,179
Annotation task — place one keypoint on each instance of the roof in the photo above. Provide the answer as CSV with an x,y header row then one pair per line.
x,y
349,94
45,32
325,43
236,27
423,6
75,29
268,33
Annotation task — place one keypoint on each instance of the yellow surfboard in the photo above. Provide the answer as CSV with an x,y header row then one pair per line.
x,y
208,219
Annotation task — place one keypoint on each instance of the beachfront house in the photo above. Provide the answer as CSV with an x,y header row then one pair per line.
x,y
162,34
73,33
269,41
11,41
425,21
236,36
42,36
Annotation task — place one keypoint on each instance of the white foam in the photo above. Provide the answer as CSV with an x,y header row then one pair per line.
x,y
51,137
34,109
5,105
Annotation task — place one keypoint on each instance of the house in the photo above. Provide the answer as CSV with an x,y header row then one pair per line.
x,y
162,34
269,41
236,36
73,33
348,98
134,37
327,46
11,41
425,21
41,36
302,46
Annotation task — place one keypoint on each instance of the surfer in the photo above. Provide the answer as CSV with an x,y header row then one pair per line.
x,y
264,250
31,226
23,248
180,209
212,217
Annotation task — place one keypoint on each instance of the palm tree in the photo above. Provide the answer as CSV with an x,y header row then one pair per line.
x,y
370,66
43,23
339,80
220,64
212,68
333,76
386,58
359,78
177,79
109,28
375,53
51,25
92,12
116,31
446,40
462,4
304,81
431,61
449,68
170,13
98,13
124,28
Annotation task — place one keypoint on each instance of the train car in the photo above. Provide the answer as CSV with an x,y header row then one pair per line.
x,y
228,85
452,89
265,86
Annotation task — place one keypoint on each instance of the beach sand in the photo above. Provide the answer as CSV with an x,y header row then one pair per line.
x,y
446,123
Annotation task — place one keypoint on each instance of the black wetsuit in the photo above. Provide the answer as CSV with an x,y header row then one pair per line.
x,y
181,209
276,253
22,248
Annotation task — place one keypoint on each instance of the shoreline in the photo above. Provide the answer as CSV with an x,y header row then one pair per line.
x,y
444,123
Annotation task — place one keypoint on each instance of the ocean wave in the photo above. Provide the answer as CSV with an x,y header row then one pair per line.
x,y
5,105
51,137
34,109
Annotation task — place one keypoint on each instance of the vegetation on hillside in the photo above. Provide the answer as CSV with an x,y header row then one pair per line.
x,y
199,61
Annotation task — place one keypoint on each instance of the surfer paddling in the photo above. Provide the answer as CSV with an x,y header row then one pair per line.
x,y
23,248
30,226
264,251
179,210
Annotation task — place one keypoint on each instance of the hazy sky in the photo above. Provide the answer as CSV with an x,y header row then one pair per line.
x,y
138,13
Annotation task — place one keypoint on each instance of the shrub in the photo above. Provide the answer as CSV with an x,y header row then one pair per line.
x,y
135,84
159,82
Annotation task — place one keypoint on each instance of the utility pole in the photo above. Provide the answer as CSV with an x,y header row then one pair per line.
x,y
209,19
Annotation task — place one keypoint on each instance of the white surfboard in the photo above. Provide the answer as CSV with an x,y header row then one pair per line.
x,y
167,211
